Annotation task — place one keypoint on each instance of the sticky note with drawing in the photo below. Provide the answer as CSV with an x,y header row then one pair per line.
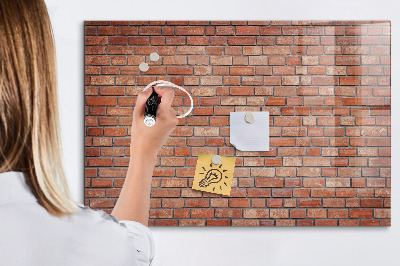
x,y
212,176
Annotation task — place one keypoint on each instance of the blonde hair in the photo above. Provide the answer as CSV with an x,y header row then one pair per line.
x,y
29,119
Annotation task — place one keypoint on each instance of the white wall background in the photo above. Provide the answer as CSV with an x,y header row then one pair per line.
x,y
230,246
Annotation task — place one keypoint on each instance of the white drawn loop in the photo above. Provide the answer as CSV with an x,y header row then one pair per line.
x,y
163,83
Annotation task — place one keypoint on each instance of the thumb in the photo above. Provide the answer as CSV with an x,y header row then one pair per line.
x,y
167,96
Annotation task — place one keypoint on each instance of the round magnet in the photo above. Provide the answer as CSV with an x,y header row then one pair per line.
x,y
249,118
216,159
143,67
154,57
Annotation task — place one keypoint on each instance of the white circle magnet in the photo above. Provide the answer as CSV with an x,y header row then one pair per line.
x,y
249,118
216,159
143,67
154,57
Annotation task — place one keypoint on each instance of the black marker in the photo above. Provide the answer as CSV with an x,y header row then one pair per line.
x,y
151,109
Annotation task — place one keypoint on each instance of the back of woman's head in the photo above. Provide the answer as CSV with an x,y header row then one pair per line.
x,y
29,119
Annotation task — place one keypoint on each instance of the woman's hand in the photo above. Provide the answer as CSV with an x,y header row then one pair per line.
x,y
148,140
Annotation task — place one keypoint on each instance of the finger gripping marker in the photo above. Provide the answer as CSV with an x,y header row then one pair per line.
x,y
151,109
151,103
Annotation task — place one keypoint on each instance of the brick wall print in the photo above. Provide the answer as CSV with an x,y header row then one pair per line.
x,y
325,84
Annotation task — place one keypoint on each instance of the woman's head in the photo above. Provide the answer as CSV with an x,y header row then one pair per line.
x,y
29,120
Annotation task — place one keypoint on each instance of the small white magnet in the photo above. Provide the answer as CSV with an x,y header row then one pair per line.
x,y
249,118
154,57
143,67
216,159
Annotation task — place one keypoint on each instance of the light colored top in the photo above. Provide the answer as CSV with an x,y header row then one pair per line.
x,y
29,235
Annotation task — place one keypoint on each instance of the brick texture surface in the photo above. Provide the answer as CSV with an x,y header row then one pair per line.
x,y
326,86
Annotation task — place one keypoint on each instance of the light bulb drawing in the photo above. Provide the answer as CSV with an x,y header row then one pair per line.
x,y
214,175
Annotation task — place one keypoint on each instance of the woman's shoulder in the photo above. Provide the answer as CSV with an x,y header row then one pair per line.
x,y
85,212
101,216
138,236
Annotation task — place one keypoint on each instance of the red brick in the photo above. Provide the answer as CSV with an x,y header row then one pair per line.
x,y
369,222
119,50
345,193
239,40
279,213
282,142
258,192
190,203
234,203
239,71
94,193
127,30
382,213
316,213
382,193
298,214
283,192
323,81
287,121
371,203
338,213
301,193
165,193
181,213
228,213
247,30
360,213
348,60
225,30
218,222
309,203
189,30
202,213
255,213
333,203
161,222
270,30
160,213
100,182
102,203
275,101
306,40
96,40
276,50
348,222
240,222
95,50
304,222
269,182
293,183
322,193
274,203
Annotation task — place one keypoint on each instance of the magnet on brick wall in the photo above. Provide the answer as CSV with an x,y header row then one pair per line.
x,y
154,57
249,131
143,67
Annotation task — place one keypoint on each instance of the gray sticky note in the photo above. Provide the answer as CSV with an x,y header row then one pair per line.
x,y
249,136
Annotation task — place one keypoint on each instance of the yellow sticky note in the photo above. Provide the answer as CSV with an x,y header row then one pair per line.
x,y
214,178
